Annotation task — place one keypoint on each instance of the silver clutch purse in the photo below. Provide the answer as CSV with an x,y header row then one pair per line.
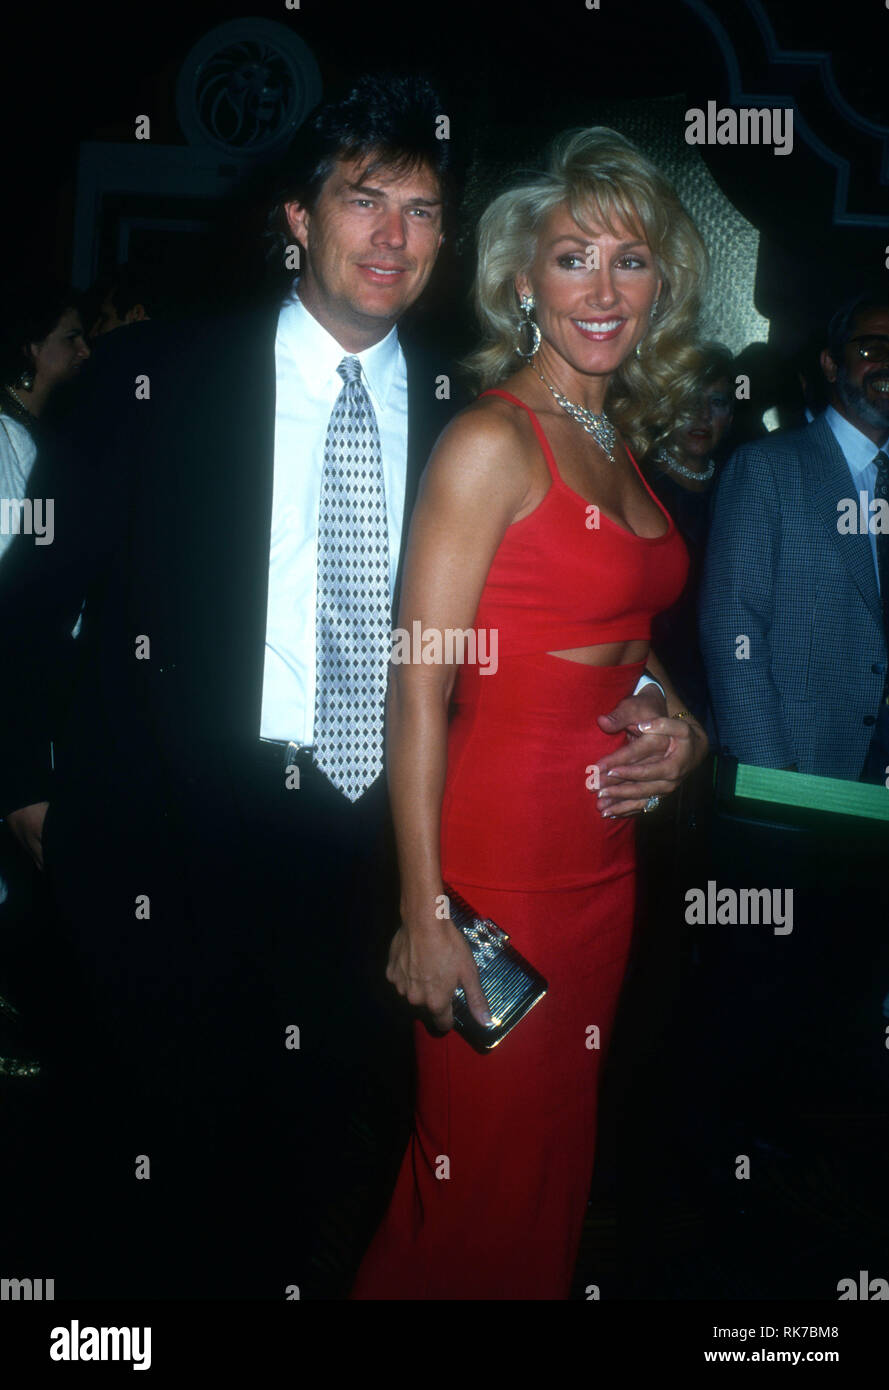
x,y
511,984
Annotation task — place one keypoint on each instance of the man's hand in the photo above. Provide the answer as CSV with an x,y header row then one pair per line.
x,y
659,753
26,825
648,704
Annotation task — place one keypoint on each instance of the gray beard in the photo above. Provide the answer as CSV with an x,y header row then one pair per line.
x,y
855,400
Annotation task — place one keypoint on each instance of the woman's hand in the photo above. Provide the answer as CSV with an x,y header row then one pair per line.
x,y
427,961
645,768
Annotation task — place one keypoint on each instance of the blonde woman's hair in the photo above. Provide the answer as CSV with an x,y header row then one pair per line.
x,y
603,180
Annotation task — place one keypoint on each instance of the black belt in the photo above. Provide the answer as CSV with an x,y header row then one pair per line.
x,y
282,755
270,762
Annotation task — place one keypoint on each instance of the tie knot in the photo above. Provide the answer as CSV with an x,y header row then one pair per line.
x,y
350,370
881,460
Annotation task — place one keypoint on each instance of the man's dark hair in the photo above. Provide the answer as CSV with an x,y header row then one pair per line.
x,y
132,285
839,329
386,118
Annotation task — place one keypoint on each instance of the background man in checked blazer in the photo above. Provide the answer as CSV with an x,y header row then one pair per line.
x,y
794,602
793,630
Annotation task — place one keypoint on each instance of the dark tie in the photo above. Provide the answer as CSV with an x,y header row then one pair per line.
x,y
352,612
881,491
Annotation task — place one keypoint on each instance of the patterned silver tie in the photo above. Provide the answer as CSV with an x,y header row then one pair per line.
x,y
352,615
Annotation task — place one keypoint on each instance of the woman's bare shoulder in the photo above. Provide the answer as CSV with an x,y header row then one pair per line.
x,y
489,438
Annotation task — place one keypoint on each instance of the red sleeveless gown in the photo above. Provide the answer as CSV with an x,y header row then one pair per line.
x,y
491,1195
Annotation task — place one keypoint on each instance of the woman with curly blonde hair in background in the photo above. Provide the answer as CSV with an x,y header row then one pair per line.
x,y
516,786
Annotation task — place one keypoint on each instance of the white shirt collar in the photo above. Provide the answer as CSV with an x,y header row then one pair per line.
x,y
317,353
858,451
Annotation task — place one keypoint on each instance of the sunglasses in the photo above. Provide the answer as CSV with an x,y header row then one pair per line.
x,y
873,347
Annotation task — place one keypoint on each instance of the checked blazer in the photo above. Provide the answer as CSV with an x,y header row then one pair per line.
x,y
805,688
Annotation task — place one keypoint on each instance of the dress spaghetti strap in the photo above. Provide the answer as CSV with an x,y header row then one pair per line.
x,y
652,494
538,429
553,467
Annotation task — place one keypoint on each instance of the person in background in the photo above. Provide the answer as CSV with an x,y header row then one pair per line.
x,y
794,591
44,347
682,472
793,627
128,297
672,847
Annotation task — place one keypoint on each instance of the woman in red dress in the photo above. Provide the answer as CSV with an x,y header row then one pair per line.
x,y
535,527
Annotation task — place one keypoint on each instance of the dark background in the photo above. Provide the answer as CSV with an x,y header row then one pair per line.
x,y
506,70
512,74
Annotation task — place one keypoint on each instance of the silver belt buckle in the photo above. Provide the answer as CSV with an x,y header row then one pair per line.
x,y
291,750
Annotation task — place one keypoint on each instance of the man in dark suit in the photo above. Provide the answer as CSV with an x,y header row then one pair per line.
x,y
231,513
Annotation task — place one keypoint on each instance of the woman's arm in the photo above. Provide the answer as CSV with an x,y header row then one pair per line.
x,y
474,485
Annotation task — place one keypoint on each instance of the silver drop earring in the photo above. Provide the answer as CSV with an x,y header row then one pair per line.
x,y
652,317
526,322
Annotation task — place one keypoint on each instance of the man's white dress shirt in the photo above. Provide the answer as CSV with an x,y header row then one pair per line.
x,y
859,453
307,383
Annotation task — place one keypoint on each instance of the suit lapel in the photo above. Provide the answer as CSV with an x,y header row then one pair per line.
x,y
830,481
420,438
418,442
261,386
239,482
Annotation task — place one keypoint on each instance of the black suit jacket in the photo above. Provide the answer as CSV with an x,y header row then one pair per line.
x,y
162,522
